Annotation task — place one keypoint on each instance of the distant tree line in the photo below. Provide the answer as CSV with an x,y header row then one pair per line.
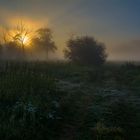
x,y
82,50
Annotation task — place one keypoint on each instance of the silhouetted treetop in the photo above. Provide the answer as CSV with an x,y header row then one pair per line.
x,y
85,50
44,40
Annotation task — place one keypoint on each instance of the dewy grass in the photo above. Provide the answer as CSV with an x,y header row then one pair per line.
x,y
47,100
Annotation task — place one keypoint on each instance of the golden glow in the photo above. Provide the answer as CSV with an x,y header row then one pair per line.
x,y
21,38
22,30
25,40
30,23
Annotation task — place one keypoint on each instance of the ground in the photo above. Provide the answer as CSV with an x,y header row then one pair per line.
x,y
57,100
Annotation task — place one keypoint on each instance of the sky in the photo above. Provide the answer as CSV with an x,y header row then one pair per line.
x,y
116,23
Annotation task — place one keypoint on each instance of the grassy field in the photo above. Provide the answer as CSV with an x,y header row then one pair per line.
x,y
64,101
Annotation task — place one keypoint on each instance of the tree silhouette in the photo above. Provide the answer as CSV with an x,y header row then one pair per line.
x,y
20,34
43,41
85,50
1,51
13,42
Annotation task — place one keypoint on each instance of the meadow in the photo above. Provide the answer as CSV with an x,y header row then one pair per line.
x,y
65,101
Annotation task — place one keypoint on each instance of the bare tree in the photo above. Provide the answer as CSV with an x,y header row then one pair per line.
x,y
4,35
20,34
13,41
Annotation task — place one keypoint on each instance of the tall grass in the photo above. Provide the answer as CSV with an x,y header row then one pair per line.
x,y
48,100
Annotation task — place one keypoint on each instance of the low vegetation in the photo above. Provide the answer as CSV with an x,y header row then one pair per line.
x,y
59,101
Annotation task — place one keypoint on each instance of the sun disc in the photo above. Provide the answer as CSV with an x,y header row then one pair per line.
x,y
25,40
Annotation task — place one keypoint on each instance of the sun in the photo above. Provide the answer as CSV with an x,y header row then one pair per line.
x,y
25,40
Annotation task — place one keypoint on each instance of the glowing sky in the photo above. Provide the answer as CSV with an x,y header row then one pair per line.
x,y
114,22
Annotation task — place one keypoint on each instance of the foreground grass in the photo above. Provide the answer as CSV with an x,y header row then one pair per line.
x,y
41,100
